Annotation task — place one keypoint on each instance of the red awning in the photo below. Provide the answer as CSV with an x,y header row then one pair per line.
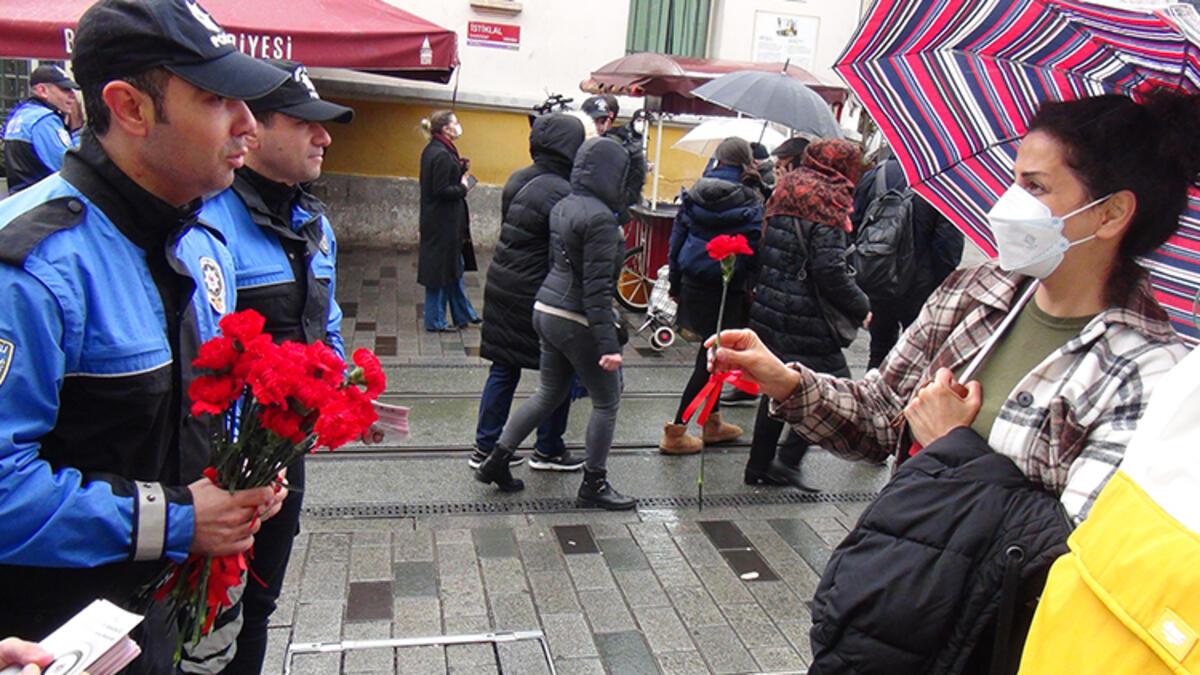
x,y
674,77
368,35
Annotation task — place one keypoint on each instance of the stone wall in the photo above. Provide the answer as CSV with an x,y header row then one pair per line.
x,y
380,212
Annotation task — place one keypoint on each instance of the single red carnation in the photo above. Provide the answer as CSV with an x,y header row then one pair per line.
x,y
283,423
217,354
277,374
324,364
723,245
257,348
345,418
212,395
371,372
243,326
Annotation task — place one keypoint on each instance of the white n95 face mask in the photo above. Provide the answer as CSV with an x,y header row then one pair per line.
x,y
1029,237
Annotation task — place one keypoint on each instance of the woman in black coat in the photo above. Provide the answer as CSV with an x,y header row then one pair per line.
x,y
445,225
726,200
812,201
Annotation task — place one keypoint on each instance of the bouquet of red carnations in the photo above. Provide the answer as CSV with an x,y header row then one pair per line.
x,y
278,402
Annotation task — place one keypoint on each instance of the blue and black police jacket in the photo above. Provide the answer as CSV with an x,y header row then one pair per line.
x,y
107,294
35,140
285,271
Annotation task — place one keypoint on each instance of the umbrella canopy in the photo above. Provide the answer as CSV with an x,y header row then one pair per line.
x,y
773,96
705,137
368,35
953,85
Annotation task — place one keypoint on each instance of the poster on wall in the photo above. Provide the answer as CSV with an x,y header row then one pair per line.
x,y
497,35
784,37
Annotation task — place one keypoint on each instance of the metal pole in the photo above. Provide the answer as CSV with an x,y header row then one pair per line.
x,y
435,640
657,163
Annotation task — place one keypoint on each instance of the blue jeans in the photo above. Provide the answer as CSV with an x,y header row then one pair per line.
x,y
496,402
436,299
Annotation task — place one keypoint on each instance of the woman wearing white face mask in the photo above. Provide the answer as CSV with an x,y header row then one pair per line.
x,y
1059,345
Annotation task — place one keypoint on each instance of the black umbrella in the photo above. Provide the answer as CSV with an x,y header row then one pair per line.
x,y
773,96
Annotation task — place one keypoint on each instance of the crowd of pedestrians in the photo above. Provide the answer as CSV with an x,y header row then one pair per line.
x,y
1004,395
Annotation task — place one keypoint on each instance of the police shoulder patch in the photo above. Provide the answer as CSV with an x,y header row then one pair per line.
x,y
7,350
64,136
214,283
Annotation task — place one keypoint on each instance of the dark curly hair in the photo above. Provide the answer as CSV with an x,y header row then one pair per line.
x,y
1150,148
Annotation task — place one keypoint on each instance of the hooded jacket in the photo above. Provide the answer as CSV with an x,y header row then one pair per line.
x,y
717,204
522,257
586,244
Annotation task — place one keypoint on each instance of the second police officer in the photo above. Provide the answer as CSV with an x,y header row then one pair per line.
x,y
36,135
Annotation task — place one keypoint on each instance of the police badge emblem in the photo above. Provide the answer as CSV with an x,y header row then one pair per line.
x,y
65,137
324,243
214,283
6,357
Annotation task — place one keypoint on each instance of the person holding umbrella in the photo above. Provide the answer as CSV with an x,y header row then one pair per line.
x,y
1061,341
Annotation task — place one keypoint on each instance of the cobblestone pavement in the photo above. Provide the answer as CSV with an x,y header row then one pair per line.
x,y
670,591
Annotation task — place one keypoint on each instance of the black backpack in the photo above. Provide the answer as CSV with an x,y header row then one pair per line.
x,y
883,246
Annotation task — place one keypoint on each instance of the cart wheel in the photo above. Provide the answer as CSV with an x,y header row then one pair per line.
x,y
655,343
664,336
633,286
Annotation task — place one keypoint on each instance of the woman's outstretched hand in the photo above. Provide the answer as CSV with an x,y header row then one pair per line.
x,y
741,349
942,406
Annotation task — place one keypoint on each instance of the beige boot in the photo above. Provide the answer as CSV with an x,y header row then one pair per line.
x,y
677,441
716,431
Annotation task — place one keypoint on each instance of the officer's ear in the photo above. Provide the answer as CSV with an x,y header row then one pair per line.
x,y
130,108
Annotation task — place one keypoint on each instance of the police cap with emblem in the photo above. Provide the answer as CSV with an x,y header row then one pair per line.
x,y
48,73
119,38
596,107
297,97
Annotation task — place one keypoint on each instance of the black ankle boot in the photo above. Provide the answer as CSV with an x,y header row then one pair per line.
x,y
597,492
786,474
495,469
755,476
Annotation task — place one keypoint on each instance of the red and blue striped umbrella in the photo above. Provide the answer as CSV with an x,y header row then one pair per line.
x,y
953,83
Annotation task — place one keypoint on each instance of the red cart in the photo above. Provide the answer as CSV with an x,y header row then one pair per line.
x,y
647,247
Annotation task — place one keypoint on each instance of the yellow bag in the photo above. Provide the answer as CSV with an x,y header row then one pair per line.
x,y
1126,598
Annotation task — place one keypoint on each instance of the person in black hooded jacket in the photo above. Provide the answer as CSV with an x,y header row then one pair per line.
x,y
726,200
574,317
519,265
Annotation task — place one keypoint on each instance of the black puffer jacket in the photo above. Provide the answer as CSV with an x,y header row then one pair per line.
x,y
917,587
635,177
716,204
522,257
785,312
586,243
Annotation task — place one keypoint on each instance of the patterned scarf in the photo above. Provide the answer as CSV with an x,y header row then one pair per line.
x,y
821,190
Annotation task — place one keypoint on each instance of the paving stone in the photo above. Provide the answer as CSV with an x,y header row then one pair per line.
x,y
623,554
753,626
455,559
805,541
370,563
378,660
370,538
575,539
329,547
797,634
779,601
324,581
541,556
462,595
524,657
369,601
590,572
429,660
626,653
672,569
470,659
749,565
416,617
452,535
528,532
413,545
724,534
494,543
568,635
699,551
723,651
695,607
641,588
682,663
606,612
513,611
610,531
503,575
318,622
467,624
277,644
412,579
285,606
553,593
578,666
663,629
316,664
723,585
779,659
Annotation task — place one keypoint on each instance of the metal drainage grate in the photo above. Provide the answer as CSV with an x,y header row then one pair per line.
x,y
403,510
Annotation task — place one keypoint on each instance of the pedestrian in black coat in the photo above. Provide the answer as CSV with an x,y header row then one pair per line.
x,y
813,201
518,267
727,200
445,225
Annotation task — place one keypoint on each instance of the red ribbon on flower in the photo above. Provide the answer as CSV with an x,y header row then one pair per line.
x,y
711,393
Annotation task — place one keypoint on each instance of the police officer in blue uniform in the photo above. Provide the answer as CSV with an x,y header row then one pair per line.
x,y
109,285
285,253
36,135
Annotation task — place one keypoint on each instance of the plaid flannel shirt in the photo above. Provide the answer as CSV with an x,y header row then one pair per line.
x,y
1066,424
